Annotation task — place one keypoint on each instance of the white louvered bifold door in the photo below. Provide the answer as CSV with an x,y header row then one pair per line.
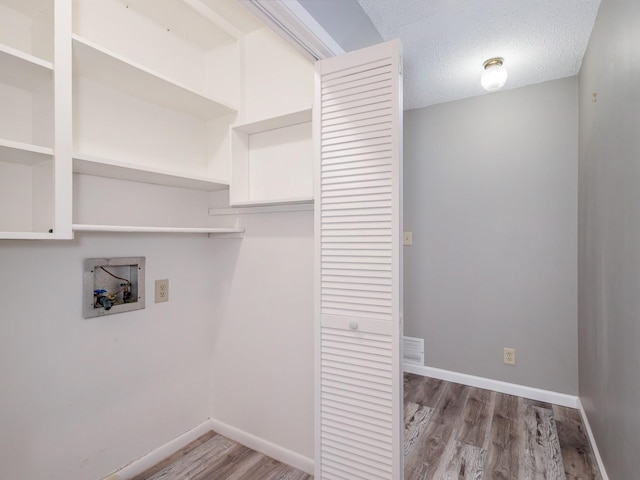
x,y
358,214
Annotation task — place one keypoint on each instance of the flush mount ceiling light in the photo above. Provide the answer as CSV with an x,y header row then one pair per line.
x,y
494,75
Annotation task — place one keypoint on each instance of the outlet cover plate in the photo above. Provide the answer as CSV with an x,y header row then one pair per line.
x,y
162,291
510,356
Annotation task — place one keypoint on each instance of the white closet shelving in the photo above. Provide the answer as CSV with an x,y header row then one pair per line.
x,y
26,119
145,92
154,85
272,161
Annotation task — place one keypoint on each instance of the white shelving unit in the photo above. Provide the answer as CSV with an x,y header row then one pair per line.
x,y
272,161
115,111
148,100
27,156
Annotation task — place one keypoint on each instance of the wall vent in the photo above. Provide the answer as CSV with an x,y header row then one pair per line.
x,y
413,350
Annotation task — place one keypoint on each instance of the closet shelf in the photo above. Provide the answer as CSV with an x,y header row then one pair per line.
x,y
280,121
22,70
236,232
103,167
23,153
273,202
261,150
26,236
104,66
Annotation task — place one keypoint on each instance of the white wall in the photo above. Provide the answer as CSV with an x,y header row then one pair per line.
x,y
262,358
609,236
262,366
80,398
490,193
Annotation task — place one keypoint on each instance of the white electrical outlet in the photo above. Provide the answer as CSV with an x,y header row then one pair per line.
x,y
407,238
510,356
162,291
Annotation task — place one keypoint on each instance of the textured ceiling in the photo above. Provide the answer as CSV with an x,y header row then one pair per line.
x,y
446,41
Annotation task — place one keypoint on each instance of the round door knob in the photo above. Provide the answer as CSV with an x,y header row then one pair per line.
x,y
353,325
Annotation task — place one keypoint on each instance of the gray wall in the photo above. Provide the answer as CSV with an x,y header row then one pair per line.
x,y
609,236
490,193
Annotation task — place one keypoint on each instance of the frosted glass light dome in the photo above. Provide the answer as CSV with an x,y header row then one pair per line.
x,y
494,76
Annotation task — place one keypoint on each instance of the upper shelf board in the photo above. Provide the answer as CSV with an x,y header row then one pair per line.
x,y
95,62
286,120
124,171
23,153
22,70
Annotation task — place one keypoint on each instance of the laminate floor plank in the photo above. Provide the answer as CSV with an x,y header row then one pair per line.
x,y
415,419
424,458
223,466
238,471
198,462
504,449
176,456
577,454
424,391
476,417
542,459
461,461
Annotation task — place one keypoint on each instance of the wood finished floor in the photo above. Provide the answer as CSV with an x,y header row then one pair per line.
x,y
214,457
457,432
451,432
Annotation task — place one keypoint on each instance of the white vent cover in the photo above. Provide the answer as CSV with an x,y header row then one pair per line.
x,y
413,350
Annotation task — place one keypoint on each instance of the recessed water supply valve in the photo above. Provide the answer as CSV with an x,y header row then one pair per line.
x,y
113,285
103,299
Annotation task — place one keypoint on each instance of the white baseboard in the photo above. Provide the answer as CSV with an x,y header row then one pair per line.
x,y
594,445
497,385
260,445
155,456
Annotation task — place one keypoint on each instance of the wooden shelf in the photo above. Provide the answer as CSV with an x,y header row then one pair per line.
x,y
23,153
93,61
140,229
22,70
124,171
